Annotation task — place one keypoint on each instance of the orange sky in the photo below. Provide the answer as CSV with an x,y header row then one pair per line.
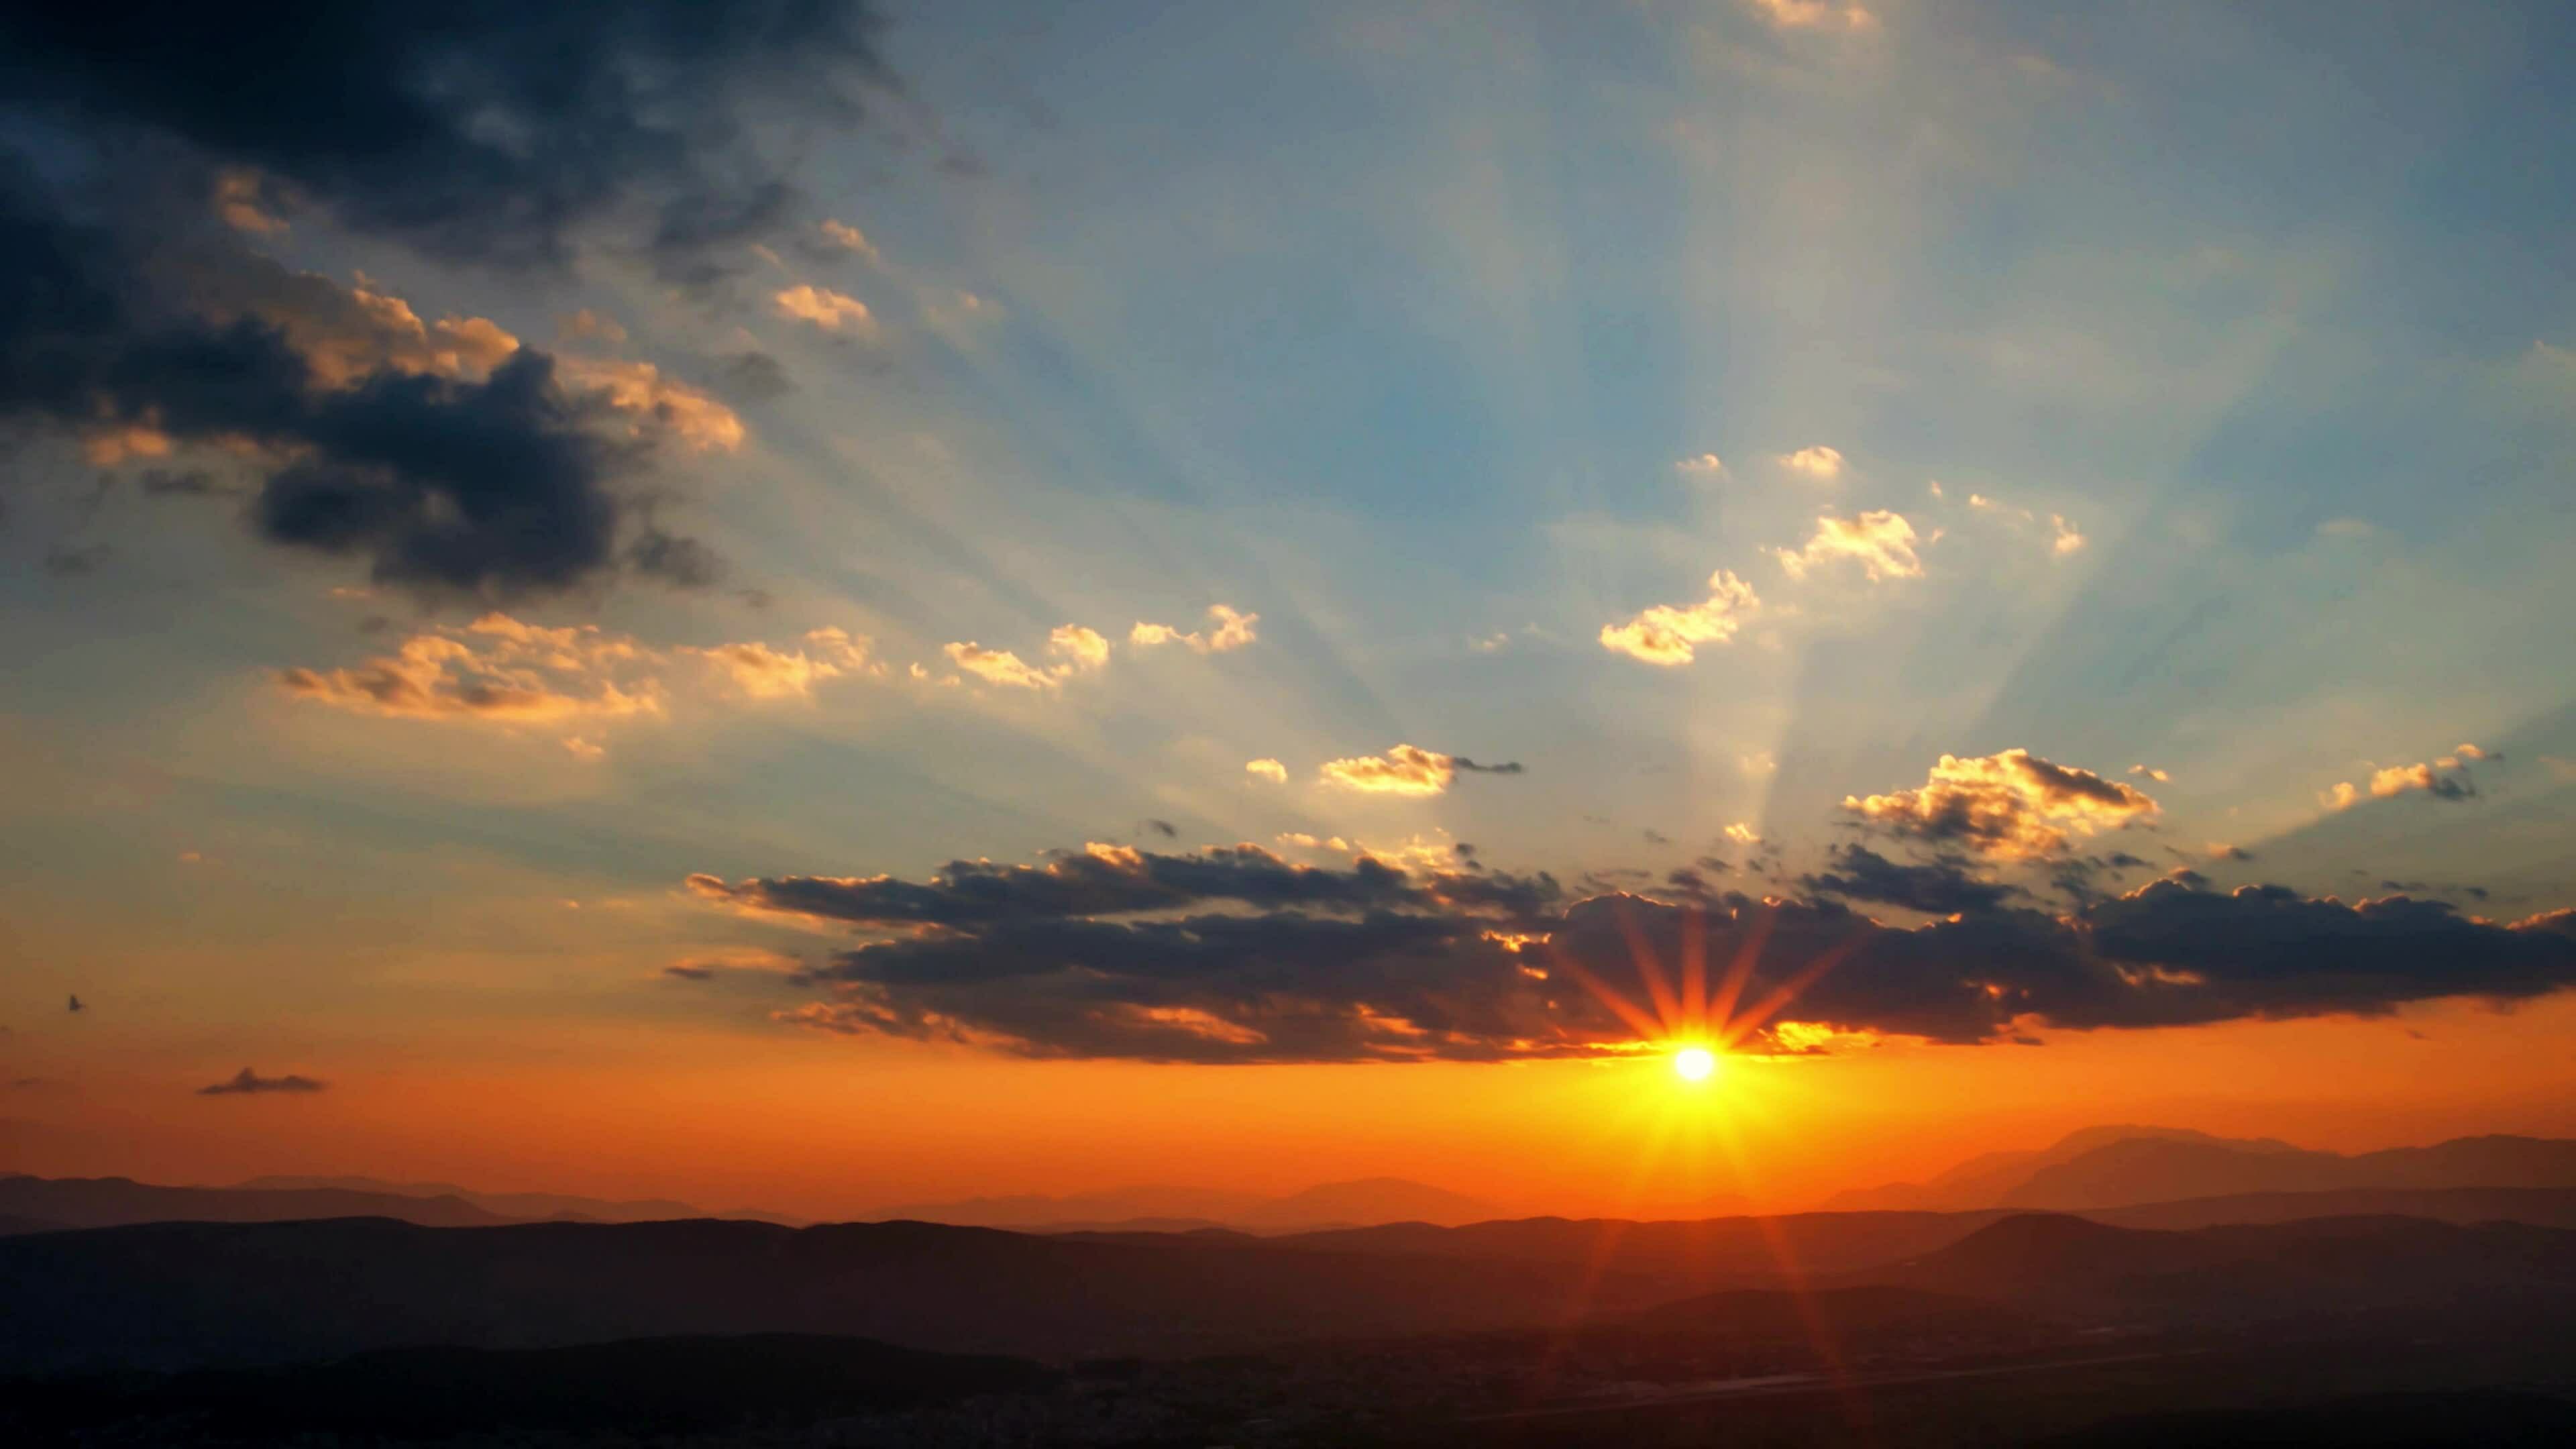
x,y
829,1127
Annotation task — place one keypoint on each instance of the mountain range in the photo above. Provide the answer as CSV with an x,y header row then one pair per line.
x,y
2107,1167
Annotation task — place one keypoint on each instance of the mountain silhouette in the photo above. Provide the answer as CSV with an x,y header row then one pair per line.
x,y
2120,1166
519,1206
1332,1204
103,1202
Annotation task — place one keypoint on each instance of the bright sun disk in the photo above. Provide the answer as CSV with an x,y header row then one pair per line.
x,y
1695,1064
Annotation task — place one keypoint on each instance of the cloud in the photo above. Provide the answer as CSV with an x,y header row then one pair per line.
x,y
493,134
2066,539
1229,629
2445,778
1814,15
502,670
760,671
2150,772
824,308
1084,647
1881,542
1704,465
1505,767
842,236
1940,888
1002,667
1822,465
754,376
1669,635
443,455
1267,769
2012,805
1113,953
247,1082
65,560
1404,770
1743,833
1115,880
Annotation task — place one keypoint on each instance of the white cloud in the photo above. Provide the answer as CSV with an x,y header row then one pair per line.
x,y
1821,464
1230,629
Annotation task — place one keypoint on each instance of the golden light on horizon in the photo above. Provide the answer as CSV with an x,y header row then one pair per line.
x,y
1695,1064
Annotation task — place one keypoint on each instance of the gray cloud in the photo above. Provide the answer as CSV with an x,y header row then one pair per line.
x,y
247,1082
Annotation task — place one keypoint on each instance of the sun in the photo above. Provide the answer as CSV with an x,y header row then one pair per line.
x,y
1695,1064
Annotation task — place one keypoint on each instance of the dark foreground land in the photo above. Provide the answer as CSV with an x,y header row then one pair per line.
x,y
1856,1328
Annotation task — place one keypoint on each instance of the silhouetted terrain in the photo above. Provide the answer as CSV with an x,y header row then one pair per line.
x,y
106,1202
1683,1256
174,1295
2544,1207
2106,1167
2364,1421
663,1384
1141,1209
524,1206
2249,1273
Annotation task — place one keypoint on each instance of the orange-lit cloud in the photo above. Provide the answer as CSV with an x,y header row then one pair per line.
x,y
690,414
1267,769
505,671
824,308
1001,666
846,237
1404,770
1814,15
1669,635
1085,648
1880,541
1228,628
2012,805
241,202
2445,778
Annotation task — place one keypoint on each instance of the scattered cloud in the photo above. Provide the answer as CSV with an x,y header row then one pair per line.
x,y
1404,770
1821,15
1084,648
2445,778
2011,805
2150,772
1002,667
1267,769
2066,539
1822,465
1228,629
1743,833
1881,542
836,312
1704,465
844,237
247,1083
1669,635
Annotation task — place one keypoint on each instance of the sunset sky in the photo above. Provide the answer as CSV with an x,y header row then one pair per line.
x,y
784,610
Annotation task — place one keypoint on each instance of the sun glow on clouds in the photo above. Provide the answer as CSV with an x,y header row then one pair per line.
x,y
501,670
1820,465
1228,629
1404,770
2012,805
1880,541
2445,778
1669,634
824,308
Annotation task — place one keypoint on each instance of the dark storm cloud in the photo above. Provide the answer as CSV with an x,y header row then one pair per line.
x,y
145,141
1375,965
247,1082
479,130
683,563
753,377
1939,888
491,486
1112,881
